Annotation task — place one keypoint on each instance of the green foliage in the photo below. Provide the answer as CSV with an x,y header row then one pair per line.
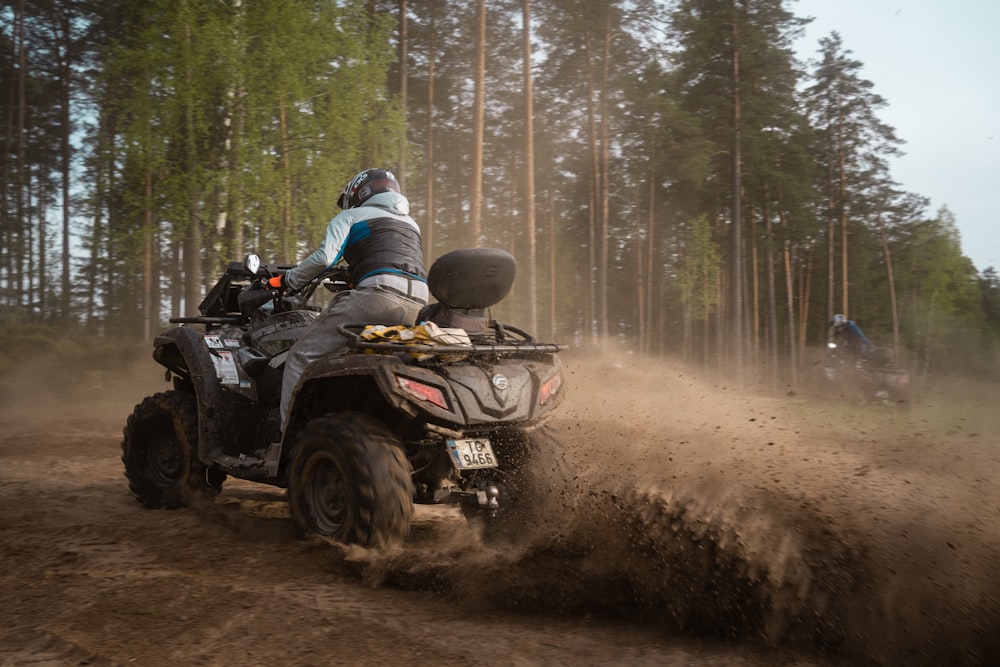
x,y
223,126
248,118
989,295
700,270
940,302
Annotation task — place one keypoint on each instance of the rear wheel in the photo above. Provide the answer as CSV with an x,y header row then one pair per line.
x,y
160,452
350,480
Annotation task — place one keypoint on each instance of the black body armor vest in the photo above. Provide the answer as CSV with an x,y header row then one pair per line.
x,y
383,245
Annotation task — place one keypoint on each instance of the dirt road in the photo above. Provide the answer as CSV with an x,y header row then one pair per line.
x,y
707,526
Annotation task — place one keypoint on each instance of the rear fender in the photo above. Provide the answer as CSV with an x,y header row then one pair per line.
x,y
337,384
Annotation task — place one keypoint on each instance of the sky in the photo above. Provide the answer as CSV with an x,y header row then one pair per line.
x,y
937,65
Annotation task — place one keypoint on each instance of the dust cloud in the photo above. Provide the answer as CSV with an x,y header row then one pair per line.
x,y
701,510
695,510
74,378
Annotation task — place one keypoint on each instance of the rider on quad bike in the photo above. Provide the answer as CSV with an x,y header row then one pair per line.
x,y
380,242
856,367
448,406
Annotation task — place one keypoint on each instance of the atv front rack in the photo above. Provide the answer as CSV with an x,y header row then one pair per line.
x,y
222,320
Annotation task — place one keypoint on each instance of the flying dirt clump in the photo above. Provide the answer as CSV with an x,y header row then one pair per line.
x,y
710,511
691,508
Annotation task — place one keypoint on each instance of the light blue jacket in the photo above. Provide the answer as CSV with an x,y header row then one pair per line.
x,y
331,250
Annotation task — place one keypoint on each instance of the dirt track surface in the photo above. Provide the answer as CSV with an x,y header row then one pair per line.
x,y
706,526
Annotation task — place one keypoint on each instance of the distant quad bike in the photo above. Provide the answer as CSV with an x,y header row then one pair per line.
x,y
871,378
448,411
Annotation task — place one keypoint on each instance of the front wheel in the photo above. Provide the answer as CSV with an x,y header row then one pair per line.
x,y
350,480
160,452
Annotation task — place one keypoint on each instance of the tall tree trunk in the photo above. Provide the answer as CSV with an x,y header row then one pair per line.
x,y
228,224
604,186
478,110
737,278
287,241
112,175
6,231
403,92
177,287
640,273
428,225
22,132
529,173
755,334
651,240
553,325
892,283
722,289
928,337
31,280
772,297
7,235
588,274
845,281
65,154
595,165
103,165
192,233
150,315
192,262
805,292
831,251
790,300
234,191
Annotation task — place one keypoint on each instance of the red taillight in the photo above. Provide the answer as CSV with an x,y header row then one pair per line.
x,y
549,388
422,392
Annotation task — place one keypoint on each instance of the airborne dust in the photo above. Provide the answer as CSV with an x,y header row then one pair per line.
x,y
695,510
866,532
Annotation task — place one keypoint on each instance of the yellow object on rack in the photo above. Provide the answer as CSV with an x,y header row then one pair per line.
x,y
425,333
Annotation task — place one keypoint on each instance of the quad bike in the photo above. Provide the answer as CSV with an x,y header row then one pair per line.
x,y
399,419
870,378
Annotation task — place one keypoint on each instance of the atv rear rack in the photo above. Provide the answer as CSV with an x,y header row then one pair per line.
x,y
507,346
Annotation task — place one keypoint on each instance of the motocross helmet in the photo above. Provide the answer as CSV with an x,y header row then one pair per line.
x,y
838,321
368,183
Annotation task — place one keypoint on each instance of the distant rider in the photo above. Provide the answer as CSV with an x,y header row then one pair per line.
x,y
848,337
380,244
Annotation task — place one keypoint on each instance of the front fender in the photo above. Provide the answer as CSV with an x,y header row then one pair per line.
x,y
206,360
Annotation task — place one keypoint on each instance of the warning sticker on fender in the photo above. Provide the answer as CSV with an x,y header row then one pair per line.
x,y
225,367
213,342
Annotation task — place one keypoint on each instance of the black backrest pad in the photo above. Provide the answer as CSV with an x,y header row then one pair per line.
x,y
472,277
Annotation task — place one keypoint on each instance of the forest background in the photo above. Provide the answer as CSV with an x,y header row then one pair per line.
x,y
671,178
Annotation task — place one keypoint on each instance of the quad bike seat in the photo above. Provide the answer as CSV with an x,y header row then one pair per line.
x,y
465,283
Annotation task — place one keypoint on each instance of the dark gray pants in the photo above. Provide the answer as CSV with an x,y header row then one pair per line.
x,y
371,305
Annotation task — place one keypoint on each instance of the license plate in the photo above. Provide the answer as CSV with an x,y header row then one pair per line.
x,y
472,454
